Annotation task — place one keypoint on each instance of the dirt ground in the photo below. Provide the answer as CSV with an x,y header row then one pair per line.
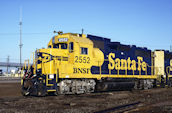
x,y
142,101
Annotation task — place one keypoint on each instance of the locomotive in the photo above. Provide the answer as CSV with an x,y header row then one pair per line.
x,y
75,63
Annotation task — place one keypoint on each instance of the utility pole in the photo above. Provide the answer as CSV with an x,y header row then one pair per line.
x,y
8,59
170,48
82,31
20,23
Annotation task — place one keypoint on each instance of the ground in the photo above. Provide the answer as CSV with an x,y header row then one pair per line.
x,y
157,100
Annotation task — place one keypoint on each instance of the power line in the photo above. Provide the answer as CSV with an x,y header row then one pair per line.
x,y
10,58
23,33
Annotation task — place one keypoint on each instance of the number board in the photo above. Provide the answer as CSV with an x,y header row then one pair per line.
x,y
63,39
80,59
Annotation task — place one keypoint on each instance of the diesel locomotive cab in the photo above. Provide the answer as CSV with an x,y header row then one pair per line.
x,y
64,66
48,63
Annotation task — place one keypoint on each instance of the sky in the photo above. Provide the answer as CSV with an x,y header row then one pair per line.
x,y
145,23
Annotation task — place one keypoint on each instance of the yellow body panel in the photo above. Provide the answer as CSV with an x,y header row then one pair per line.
x,y
159,62
48,63
98,57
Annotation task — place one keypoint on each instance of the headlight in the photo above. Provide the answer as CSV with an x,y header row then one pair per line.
x,y
51,76
164,76
39,71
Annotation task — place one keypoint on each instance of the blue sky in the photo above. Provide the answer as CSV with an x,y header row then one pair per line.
x,y
145,23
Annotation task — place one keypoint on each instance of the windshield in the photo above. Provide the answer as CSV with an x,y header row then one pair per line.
x,y
60,46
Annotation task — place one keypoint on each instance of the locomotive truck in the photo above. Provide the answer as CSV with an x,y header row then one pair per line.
x,y
75,63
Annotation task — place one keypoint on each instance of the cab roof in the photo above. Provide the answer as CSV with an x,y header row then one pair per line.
x,y
79,38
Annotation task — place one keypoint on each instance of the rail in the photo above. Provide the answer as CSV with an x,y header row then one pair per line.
x,y
27,65
121,108
168,70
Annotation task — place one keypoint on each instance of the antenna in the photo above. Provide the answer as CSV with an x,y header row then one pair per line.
x,y
20,23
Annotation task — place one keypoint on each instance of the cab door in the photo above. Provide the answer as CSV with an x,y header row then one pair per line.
x,y
71,52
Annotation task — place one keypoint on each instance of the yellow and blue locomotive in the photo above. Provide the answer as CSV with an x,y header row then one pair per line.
x,y
74,64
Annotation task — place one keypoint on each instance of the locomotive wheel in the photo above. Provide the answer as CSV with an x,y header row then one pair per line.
x,y
40,89
25,92
26,86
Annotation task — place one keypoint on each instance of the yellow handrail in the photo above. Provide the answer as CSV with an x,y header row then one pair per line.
x,y
168,71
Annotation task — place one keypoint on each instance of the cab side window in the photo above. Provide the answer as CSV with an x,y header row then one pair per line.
x,y
84,51
49,46
71,47
63,46
56,46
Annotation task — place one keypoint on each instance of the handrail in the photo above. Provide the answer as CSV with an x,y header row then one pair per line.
x,y
168,71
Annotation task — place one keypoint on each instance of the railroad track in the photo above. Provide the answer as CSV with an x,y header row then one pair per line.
x,y
9,79
121,109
